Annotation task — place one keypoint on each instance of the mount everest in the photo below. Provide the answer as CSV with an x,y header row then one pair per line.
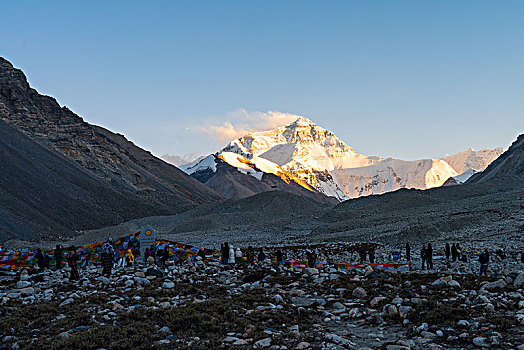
x,y
305,154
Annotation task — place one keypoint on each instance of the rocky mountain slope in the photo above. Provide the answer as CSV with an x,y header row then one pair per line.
x,y
510,163
471,162
325,163
234,176
153,186
43,194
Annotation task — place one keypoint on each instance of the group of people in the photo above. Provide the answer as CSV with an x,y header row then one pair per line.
x,y
369,252
456,252
230,255
43,260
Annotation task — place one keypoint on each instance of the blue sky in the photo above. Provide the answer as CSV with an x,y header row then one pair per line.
x,y
408,79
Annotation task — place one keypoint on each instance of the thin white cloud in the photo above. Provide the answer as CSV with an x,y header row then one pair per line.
x,y
241,122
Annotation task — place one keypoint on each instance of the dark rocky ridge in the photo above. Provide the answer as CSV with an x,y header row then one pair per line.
x,y
44,194
232,184
153,186
509,163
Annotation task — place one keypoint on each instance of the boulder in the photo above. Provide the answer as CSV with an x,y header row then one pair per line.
x,y
22,284
311,271
500,284
481,341
142,281
168,285
376,300
27,291
519,280
263,343
359,292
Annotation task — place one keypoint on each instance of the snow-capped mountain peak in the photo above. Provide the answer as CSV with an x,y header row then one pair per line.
x,y
300,133
314,157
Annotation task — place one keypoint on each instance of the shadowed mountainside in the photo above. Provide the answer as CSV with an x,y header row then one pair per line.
x,y
61,174
124,166
509,163
44,194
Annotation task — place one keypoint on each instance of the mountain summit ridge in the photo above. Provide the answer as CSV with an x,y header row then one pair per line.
x,y
318,157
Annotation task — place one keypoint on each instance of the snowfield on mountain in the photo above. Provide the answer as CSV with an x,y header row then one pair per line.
x,y
314,157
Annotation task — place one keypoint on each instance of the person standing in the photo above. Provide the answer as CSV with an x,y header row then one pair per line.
x,y
231,255
424,256
261,255
225,253
362,252
107,258
40,259
484,261
429,256
447,251
279,255
250,255
408,252
201,253
238,255
72,262
454,252
372,255
59,255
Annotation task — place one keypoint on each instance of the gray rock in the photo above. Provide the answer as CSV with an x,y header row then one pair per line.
x,y
165,329
66,302
376,300
63,336
500,284
392,310
453,284
168,285
22,284
481,341
27,291
359,292
519,281
311,271
404,311
142,281
338,339
129,283
263,343
338,306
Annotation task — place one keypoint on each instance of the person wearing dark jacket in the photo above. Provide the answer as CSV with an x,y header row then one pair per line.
x,y
362,252
447,251
372,255
429,256
59,255
72,261
408,252
225,253
424,256
279,255
261,255
484,261
454,253
250,255
40,258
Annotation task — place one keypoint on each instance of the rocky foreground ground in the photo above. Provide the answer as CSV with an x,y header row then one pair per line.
x,y
199,306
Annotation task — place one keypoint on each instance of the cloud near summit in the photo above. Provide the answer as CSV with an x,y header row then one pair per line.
x,y
241,122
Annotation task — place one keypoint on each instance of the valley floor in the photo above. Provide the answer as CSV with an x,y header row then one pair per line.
x,y
199,306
